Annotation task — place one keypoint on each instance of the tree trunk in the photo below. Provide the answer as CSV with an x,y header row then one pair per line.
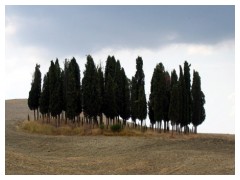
x,y
195,129
37,114
34,115
101,118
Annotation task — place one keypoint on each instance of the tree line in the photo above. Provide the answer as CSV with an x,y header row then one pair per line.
x,y
111,93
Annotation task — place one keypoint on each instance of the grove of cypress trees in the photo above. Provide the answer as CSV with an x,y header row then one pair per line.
x,y
35,92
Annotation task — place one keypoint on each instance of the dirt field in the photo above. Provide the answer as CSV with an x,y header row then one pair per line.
x,y
41,154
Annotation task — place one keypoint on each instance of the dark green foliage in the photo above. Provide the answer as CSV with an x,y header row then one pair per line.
x,y
124,96
90,89
113,94
73,90
174,78
174,105
150,111
109,98
139,96
110,104
101,91
55,89
44,98
35,92
198,111
174,99
118,87
133,99
158,92
101,126
65,83
166,99
116,128
142,104
182,99
188,97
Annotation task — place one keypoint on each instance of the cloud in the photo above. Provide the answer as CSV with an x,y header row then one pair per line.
x,y
87,29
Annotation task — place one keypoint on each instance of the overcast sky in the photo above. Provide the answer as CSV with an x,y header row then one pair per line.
x,y
202,35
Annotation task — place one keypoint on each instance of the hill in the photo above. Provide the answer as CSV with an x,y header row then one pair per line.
x,y
47,154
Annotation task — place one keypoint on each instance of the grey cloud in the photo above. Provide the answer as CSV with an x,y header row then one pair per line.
x,y
83,29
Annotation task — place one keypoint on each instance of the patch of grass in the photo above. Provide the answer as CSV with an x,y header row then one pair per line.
x,y
38,127
116,128
48,129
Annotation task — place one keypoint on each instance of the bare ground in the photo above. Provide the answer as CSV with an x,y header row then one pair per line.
x,y
42,154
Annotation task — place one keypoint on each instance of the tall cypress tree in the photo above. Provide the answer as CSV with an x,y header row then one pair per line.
x,y
151,105
73,91
35,92
55,91
110,104
174,105
198,111
174,99
158,87
44,98
133,98
188,97
65,85
91,91
166,100
125,96
118,88
140,98
182,99
101,91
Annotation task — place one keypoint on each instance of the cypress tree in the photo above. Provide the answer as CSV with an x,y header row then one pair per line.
x,y
125,97
65,84
166,100
188,97
174,105
198,111
118,88
35,92
133,99
101,92
44,98
151,105
90,89
140,98
174,99
158,93
73,91
55,91
110,104
182,99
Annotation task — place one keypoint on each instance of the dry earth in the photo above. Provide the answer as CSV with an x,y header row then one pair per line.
x,y
42,154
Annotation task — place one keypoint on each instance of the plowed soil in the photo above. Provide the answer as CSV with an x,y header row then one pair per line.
x,y
47,154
